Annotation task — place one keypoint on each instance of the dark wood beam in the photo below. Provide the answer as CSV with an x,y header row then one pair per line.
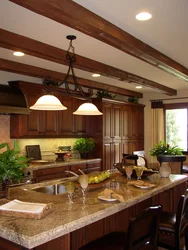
x,y
77,17
32,47
33,71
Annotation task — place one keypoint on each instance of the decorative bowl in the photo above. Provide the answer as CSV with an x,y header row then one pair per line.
x,y
121,167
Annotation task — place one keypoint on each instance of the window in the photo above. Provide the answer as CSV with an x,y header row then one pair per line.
x,y
176,124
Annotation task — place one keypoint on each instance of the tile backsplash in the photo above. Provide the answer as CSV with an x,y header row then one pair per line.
x,y
4,128
48,145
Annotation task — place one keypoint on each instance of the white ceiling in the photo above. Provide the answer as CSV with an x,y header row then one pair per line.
x,y
166,32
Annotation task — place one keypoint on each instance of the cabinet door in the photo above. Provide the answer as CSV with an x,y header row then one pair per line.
x,y
107,157
137,123
128,146
91,167
116,153
50,123
116,122
50,173
107,121
126,122
65,117
111,154
75,168
28,125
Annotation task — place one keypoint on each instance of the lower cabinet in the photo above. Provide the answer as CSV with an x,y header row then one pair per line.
x,y
50,173
112,153
59,172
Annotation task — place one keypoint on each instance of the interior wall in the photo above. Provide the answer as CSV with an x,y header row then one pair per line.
x,y
148,113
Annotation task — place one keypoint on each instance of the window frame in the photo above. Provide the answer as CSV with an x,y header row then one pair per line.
x,y
168,106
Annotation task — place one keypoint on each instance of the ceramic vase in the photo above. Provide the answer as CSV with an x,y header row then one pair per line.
x,y
165,170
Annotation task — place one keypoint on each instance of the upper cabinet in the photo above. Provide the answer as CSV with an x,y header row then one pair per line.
x,y
120,130
111,121
41,124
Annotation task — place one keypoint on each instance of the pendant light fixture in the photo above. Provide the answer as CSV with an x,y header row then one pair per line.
x,y
87,108
48,102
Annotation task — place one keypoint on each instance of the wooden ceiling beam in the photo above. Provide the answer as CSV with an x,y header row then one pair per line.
x,y
33,71
35,48
77,17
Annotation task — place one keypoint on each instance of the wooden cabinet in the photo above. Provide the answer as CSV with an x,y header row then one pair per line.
x,y
50,173
120,130
79,121
41,124
92,167
57,172
112,153
111,121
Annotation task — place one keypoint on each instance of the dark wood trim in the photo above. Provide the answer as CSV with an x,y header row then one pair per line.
x,y
68,13
33,71
175,105
35,48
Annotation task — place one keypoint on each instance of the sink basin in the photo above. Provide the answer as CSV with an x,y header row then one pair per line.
x,y
51,189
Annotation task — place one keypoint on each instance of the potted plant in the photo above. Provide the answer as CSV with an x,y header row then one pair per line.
x,y
84,146
166,153
162,148
12,165
104,94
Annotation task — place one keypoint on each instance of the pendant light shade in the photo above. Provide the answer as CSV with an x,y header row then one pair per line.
x,y
48,102
87,108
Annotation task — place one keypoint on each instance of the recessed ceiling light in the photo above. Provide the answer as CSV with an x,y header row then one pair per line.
x,y
138,87
18,53
96,75
143,16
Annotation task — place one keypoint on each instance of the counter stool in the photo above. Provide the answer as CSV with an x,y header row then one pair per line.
x,y
141,234
172,226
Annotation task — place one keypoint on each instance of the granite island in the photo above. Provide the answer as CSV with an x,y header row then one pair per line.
x,y
71,227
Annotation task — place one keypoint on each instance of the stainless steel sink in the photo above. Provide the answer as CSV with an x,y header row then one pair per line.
x,y
51,189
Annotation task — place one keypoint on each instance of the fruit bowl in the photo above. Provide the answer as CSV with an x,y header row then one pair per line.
x,y
99,177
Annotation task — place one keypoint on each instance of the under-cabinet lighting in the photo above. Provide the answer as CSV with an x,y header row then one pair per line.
x,y
138,87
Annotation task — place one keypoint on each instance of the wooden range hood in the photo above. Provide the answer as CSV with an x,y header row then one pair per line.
x,y
12,100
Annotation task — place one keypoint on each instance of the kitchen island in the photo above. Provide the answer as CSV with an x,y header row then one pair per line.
x,y
71,227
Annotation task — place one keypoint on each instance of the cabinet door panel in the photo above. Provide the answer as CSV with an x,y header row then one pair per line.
x,y
107,121
116,153
32,124
80,121
126,119
107,157
65,117
137,124
51,127
116,123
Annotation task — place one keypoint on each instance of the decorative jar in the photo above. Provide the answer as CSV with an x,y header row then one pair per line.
x,y
165,170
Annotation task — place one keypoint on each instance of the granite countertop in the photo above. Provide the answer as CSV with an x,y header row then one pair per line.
x,y
65,219
53,164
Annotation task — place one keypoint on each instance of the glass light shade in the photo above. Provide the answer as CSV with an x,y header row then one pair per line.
x,y
87,108
48,102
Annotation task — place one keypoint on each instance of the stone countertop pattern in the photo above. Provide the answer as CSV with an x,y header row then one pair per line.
x,y
65,219
54,164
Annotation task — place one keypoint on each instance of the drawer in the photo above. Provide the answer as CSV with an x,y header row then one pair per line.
x,y
80,166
